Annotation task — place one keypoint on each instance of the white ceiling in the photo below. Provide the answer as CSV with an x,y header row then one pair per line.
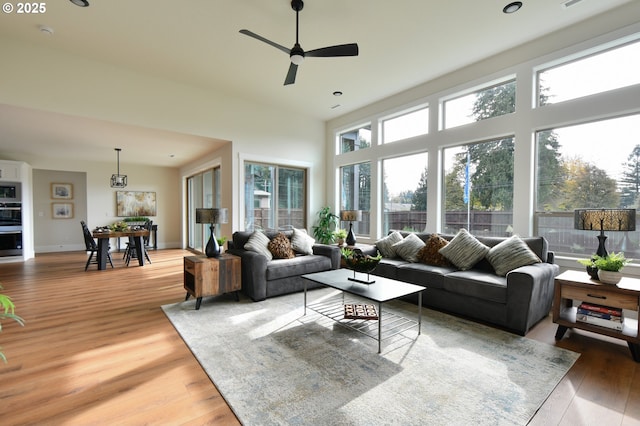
x,y
402,44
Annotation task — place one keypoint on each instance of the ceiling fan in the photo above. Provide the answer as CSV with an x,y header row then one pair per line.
x,y
297,54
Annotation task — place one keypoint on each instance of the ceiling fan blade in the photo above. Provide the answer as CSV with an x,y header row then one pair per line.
x,y
291,74
350,49
264,40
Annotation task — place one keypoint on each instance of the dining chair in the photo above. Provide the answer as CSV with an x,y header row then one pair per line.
x,y
91,246
130,251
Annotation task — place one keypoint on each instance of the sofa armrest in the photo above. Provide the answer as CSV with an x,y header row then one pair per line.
x,y
330,251
529,295
254,273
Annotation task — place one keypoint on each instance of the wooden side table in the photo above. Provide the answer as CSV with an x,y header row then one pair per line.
x,y
577,285
211,276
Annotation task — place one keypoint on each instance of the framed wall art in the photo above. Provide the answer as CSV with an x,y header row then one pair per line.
x,y
135,203
62,210
62,191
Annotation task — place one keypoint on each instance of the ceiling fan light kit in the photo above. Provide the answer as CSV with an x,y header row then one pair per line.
x,y
297,54
81,3
512,7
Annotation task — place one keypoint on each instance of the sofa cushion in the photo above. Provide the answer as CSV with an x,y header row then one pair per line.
x,y
258,242
385,245
430,255
430,276
299,265
464,250
510,254
388,268
409,247
302,242
478,284
280,247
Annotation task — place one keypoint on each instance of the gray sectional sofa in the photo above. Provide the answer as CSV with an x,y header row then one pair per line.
x,y
263,277
514,302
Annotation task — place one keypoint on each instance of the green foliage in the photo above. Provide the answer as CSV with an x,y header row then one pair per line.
x,y
7,311
630,180
121,225
135,219
323,231
613,262
419,200
221,240
340,234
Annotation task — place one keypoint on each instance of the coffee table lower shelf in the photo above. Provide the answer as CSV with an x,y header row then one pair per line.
x,y
392,324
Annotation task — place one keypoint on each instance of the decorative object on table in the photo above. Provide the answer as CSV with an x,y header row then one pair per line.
x,y
118,180
62,210
604,220
136,220
340,235
221,242
359,262
135,203
327,223
351,216
609,267
63,191
358,311
119,226
590,266
213,217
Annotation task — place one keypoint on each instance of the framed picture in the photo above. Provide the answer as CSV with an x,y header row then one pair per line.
x,y
62,191
62,210
135,203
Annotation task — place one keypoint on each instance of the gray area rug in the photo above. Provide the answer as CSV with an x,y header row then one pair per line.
x,y
274,365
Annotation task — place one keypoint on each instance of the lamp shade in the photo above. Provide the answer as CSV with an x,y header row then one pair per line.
x,y
205,215
351,215
605,219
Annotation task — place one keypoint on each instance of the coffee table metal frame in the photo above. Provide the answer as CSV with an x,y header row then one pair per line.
x,y
383,290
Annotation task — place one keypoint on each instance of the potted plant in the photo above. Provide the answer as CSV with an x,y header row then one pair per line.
x,y
323,232
340,235
7,311
591,267
609,267
221,242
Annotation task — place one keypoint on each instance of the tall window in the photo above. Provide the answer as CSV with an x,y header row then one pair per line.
x,y
406,126
486,103
356,194
405,193
478,193
355,139
591,165
203,190
275,197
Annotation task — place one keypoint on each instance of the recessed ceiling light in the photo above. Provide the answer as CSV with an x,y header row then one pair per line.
x,y
81,3
512,7
337,93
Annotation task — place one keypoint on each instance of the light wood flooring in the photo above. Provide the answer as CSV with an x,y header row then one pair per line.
x,y
97,349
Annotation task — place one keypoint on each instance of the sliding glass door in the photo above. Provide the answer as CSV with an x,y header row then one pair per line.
x,y
203,190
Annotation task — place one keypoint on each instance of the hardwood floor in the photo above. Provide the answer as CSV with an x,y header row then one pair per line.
x,y
97,349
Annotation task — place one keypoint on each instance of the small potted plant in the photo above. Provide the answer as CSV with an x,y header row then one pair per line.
x,y
340,235
591,267
221,242
609,267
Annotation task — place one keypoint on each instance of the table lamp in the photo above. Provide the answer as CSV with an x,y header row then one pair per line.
x,y
605,220
351,216
213,217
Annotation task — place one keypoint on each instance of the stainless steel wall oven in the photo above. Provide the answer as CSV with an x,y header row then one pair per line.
x,y
10,219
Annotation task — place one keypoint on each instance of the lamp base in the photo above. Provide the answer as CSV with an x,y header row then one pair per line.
x,y
212,249
602,251
351,236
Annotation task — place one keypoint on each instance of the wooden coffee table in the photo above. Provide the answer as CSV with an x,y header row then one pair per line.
x,y
382,290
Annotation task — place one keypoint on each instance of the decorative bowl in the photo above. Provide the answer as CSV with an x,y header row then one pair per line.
x,y
359,262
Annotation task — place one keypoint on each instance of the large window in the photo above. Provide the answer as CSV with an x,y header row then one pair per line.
x,y
275,197
490,102
405,126
478,193
591,165
355,139
356,194
405,193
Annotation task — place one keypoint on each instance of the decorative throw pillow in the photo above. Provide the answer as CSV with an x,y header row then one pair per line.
x,y
259,243
510,254
280,247
409,247
385,245
464,250
302,242
430,255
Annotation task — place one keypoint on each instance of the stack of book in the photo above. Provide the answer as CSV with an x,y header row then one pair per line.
x,y
603,316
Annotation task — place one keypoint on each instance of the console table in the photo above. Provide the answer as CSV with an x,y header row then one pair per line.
x,y
577,285
211,276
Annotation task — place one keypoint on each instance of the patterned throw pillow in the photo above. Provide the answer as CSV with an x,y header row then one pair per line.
x,y
409,247
259,242
430,255
302,242
510,254
280,247
464,250
385,245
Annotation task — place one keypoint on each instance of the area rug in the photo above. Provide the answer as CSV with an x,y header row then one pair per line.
x,y
275,366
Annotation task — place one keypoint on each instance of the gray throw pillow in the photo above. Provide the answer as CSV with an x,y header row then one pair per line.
x,y
464,250
510,254
259,243
302,242
385,245
409,247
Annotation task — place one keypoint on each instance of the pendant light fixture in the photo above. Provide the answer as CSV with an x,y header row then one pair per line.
x,y
118,180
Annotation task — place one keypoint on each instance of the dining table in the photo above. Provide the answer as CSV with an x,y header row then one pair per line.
x,y
103,244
